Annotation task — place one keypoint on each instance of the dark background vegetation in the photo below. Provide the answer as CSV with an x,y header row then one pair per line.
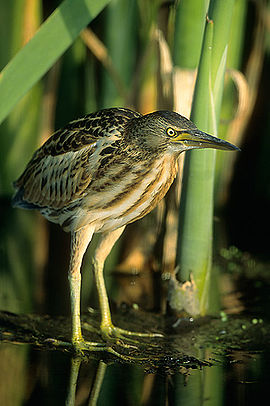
x,y
35,254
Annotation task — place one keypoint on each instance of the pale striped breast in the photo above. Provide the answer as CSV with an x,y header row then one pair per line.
x,y
128,200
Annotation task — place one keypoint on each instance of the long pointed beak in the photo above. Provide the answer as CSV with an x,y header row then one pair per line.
x,y
199,139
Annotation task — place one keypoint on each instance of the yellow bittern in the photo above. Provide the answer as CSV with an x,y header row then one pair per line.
x,y
98,174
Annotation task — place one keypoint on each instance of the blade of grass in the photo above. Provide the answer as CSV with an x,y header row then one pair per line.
x,y
196,208
189,28
195,226
101,53
19,132
235,103
120,37
55,35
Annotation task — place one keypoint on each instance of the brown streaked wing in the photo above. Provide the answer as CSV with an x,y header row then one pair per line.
x,y
57,173
56,181
88,129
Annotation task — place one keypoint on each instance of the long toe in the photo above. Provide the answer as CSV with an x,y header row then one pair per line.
x,y
82,346
79,345
111,332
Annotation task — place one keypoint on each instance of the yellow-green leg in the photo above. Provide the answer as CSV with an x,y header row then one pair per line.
x,y
108,330
79,243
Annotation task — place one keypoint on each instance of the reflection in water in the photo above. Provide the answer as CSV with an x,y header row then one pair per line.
x,y
74,372
31,377
94,388
94,394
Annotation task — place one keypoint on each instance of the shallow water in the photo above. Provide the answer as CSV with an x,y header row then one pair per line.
x,y
32,377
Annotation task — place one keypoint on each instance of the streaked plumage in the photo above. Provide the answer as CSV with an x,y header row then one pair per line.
x,y
102,172
70,165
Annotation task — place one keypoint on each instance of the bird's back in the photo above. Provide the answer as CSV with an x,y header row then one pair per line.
x,y
58,173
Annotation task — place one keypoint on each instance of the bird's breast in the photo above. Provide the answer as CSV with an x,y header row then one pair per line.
x,y
129,193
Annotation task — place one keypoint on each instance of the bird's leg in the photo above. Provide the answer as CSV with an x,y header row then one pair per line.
x,y
103,249
108,330
79,242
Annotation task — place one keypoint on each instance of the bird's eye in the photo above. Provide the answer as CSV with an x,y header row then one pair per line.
x,y
171,132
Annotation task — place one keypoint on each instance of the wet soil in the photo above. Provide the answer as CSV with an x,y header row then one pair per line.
x,y
183,339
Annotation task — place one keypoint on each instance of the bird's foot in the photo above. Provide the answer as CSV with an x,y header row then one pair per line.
x,y
109,331
83,347
78,344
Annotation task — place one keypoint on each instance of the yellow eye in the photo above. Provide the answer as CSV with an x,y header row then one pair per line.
x,y
171,132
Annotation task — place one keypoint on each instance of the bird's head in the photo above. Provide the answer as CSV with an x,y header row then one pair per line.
x,y
168,130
